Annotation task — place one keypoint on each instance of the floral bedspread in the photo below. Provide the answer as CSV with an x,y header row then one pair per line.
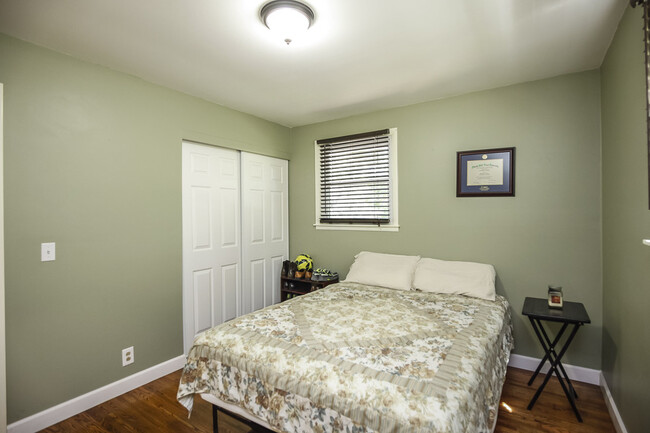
x,y
358,358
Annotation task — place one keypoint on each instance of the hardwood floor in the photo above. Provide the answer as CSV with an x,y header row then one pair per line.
x,y
153,408
552,411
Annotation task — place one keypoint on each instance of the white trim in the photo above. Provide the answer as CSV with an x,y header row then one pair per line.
x,y
358,227
611,406
580,374
84,402
3,363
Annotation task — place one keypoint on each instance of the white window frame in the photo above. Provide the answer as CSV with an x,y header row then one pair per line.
x,y
393,226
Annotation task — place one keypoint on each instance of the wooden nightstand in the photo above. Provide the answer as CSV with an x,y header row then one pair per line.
x,y
290,287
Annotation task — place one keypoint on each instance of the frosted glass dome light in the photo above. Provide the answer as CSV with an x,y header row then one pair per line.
x,y
287,18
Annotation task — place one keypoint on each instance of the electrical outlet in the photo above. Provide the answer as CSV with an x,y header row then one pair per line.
x,y
128,356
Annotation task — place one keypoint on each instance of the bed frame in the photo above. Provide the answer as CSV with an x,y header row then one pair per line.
x,y
233,423
235,419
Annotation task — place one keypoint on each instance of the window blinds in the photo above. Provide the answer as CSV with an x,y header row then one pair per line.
x,y
355,179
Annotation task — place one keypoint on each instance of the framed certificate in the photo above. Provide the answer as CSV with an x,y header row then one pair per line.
x,y
485,173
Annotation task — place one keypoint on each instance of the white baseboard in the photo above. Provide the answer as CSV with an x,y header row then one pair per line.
x,y
611,406
84,402
580,374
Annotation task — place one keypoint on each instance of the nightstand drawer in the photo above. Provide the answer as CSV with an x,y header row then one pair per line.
x,y
292,287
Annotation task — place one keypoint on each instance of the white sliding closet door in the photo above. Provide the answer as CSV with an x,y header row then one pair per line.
x,y
211,238
265,229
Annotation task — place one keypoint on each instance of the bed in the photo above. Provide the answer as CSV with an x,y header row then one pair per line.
x,y
360,358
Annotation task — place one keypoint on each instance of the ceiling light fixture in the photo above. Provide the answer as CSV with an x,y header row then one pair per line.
x,y
288,18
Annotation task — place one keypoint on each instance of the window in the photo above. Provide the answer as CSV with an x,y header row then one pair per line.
x,y
356,182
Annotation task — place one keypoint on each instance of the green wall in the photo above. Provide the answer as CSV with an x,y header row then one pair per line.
x,y
626,220
92,162
549,233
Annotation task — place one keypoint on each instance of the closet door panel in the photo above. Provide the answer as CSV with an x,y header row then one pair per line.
x,y
235,234
211,237
229,209
273,295
277,216
265,246
258,282
229,298
256,214
203,289
201,218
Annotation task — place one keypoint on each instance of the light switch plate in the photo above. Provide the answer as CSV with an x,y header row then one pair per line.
x,y
48,251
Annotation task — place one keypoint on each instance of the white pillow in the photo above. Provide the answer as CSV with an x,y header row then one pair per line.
x,y
461,278
385,270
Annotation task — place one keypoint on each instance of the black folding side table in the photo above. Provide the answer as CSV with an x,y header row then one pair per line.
x,y
572,313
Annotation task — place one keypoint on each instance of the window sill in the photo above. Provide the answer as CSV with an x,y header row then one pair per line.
x,y
358,227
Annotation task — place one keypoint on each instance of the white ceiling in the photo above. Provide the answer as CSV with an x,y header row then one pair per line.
x,y
359,56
